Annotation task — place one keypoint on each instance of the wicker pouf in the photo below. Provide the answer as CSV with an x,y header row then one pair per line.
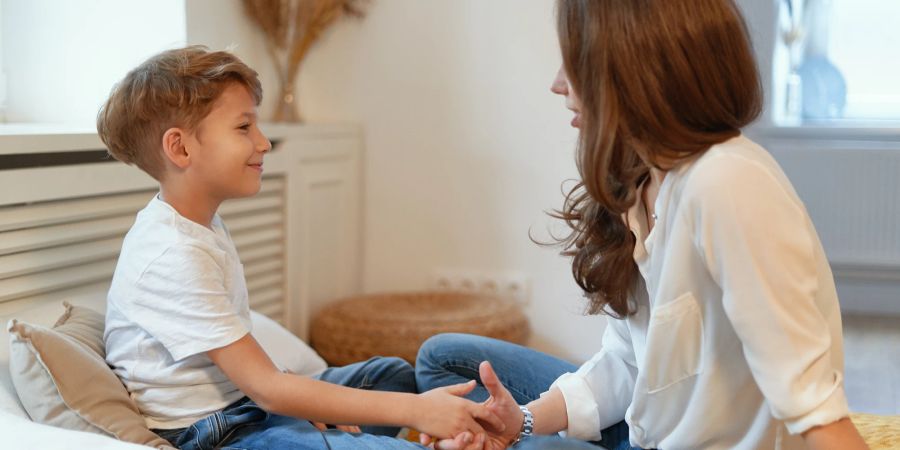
x,y
879,432
359,328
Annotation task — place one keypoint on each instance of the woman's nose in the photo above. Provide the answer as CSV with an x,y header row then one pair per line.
x,y
560,83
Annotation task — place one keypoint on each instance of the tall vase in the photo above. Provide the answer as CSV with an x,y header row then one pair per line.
x,y
824,87
286,109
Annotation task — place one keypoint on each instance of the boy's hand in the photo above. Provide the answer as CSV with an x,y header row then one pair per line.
x,y
442,413
462,441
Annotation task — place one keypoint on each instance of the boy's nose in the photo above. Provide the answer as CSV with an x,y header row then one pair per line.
x,y
264,146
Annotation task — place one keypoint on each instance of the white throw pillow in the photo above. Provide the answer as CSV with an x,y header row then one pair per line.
x,y
41,314
287,351
62,378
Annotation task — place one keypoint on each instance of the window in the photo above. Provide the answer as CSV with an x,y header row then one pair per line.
x,y
838,61
2,72
61,58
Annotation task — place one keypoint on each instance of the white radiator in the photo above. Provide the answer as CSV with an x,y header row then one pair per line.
x,y
65,207
850,184
854,200
52,246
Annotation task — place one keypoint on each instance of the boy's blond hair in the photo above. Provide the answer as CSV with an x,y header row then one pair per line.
x,y
176,88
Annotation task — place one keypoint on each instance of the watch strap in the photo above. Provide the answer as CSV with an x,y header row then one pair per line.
x,y
527,425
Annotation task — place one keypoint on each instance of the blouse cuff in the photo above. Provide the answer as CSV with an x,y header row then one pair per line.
x,y
581,410
834,408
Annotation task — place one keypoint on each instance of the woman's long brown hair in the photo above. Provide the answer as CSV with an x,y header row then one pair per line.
x,y
660,81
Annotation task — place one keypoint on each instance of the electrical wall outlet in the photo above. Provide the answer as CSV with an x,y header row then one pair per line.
x,y
507,284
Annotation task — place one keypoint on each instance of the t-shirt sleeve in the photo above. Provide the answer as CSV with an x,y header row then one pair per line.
x,y
182,301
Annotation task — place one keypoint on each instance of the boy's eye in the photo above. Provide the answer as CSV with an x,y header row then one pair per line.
x,y
245,126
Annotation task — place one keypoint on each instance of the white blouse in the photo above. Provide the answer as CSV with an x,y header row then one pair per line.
x,y
736,343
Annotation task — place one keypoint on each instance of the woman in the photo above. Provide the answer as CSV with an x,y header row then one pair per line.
x,y
724,328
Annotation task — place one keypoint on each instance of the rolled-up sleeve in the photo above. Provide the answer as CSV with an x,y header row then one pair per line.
x,y
760,248
600,391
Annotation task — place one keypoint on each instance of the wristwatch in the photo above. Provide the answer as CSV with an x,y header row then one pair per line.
x,y
527,425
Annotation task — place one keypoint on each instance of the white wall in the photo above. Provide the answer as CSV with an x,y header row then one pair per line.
x,y
760,16
465,146
62,57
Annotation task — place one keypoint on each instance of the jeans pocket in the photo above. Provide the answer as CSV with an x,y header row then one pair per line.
x,y
674,343
236,417
191,439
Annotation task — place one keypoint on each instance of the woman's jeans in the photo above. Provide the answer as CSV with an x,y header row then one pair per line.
x,y
244,425
448,359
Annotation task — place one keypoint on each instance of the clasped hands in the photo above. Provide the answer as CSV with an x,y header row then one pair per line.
x,y
500,427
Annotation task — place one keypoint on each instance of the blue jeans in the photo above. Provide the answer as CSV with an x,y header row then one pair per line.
x,y
244,425
451,358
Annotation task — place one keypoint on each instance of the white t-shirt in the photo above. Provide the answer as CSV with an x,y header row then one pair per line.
x,y
736,343
178,291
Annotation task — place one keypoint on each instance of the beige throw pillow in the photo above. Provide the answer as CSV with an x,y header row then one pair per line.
x,y
62,379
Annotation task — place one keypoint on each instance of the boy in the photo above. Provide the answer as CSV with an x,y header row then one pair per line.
x,y
178,325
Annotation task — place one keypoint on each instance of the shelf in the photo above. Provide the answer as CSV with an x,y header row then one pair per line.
x,y
887,131
23,138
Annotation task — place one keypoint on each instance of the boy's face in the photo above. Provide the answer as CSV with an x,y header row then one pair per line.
x,y
227,147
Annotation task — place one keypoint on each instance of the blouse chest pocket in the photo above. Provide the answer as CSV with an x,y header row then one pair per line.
x,y
674,343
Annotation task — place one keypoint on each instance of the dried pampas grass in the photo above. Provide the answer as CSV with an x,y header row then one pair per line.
x,y
291,27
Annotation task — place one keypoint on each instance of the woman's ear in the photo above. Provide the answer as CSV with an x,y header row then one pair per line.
x,y
174,147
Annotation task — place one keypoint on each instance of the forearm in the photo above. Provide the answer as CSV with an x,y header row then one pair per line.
x,y
549,413
319,401
841,434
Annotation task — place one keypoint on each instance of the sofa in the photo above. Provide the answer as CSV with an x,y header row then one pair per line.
x,y
286,350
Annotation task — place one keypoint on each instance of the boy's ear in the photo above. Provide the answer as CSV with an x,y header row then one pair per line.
x,y
174,147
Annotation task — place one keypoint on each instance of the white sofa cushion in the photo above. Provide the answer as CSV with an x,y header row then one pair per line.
x,y
24,434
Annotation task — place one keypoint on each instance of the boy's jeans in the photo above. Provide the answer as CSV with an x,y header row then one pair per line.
x,y
244,425
450,358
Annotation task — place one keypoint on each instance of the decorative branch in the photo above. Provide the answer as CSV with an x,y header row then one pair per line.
x,y
291,27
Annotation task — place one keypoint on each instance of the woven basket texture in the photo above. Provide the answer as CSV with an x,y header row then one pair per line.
x,y
880,432
358,328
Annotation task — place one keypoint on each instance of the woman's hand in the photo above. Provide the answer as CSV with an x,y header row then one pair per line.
x,y
442,413
502,404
